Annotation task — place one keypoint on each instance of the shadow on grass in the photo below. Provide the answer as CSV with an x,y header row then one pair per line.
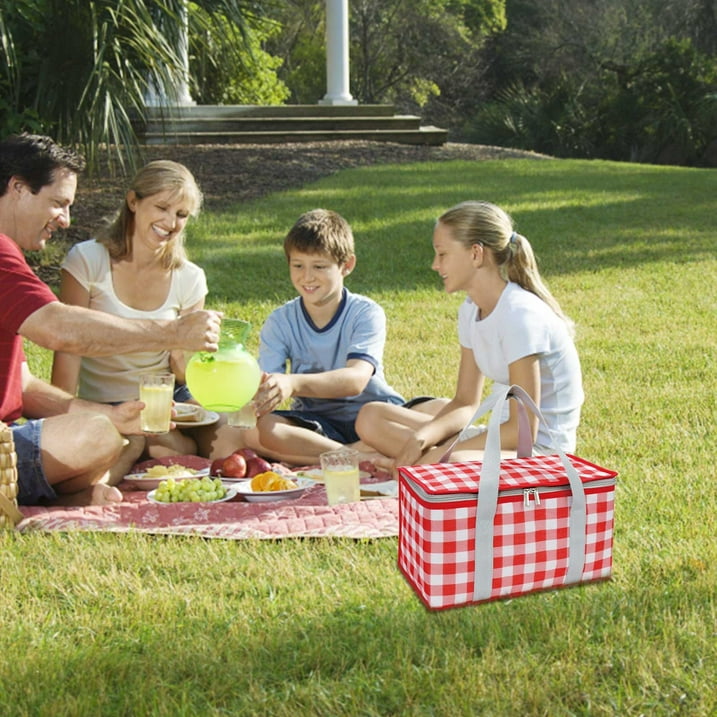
x,y
579,216
386,658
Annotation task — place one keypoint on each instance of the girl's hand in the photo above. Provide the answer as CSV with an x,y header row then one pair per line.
x,y
411,451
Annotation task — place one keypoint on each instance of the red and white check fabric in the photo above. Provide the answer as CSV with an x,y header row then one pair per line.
x,y
437,528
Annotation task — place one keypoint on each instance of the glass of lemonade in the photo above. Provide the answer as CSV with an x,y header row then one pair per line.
x,y
341,475
156,391
243,418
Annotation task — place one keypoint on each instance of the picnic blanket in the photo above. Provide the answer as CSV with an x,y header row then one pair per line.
x,y
306,516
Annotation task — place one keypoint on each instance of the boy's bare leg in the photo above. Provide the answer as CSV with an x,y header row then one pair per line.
x,y
287,442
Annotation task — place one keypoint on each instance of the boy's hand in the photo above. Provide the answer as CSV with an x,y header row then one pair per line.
x,y
274,389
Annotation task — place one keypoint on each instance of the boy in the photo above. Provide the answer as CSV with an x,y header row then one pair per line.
x,y
333,341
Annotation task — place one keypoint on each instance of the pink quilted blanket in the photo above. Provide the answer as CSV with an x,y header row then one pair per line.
x,y
306,516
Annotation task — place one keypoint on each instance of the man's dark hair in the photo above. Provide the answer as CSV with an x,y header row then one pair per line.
x,y
35,158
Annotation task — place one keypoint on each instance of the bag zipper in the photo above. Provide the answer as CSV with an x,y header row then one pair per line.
x,y
533,492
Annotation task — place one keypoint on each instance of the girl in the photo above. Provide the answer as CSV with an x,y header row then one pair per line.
x,y
511,330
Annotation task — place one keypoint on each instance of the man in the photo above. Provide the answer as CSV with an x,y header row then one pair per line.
x,y
67,446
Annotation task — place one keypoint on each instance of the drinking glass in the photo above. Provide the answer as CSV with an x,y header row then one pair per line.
x,y
156,391
340,470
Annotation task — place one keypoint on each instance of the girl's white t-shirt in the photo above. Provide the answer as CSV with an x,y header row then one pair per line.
x,y
110,379
523,325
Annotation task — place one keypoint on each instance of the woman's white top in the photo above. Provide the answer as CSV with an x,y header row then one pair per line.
x,y
109,379
524,325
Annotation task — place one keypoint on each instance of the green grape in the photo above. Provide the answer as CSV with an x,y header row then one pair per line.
x,y
194,490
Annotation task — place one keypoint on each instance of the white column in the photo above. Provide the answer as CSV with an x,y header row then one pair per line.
x,y
337,54
158,96
184,99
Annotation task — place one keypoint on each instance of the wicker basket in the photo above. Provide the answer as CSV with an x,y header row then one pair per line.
x,y
10,516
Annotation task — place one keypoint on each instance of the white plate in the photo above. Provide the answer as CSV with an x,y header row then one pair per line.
x,y
386,489
207,419
316,475
231,493
142,481
265,496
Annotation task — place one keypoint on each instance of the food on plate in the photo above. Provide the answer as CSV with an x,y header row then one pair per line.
x,y
188,412
271,481
176,469
194,490
216,467
234,466
256,465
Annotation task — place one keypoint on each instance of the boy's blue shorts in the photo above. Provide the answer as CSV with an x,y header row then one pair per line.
x,y
32,484
339,431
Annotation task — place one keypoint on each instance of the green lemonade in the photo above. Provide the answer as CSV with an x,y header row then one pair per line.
x,y
223,381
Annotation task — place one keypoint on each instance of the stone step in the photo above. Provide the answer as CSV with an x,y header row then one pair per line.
x,y
188,125
423,135
225,111
247,124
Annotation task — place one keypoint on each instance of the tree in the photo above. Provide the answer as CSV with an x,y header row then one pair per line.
x,y
416,54
619,79
80,69
232,67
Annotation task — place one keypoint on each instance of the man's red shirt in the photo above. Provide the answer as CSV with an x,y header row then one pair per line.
x,y
21,294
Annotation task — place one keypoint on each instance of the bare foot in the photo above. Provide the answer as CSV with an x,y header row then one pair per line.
x,y
376,464
105,495
99,494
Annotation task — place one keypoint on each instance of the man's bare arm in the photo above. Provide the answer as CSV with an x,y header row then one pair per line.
x,y
74,329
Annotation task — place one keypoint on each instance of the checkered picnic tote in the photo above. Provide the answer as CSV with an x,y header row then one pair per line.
x,y
9,514
473,532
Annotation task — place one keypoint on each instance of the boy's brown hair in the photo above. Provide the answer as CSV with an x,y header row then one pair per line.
x,y
321,231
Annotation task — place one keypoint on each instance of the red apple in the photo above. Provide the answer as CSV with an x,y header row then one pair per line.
x,y
234,466
216,467
256,465
246,452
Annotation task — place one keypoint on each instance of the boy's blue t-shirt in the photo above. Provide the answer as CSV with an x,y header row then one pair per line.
x,y
357,331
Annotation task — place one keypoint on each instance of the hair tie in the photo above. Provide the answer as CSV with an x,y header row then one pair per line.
x,y
512,238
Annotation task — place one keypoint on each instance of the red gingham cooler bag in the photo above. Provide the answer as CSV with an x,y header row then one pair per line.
x,y
472,532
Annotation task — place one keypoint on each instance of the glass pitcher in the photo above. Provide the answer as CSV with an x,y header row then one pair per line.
x,y
228,379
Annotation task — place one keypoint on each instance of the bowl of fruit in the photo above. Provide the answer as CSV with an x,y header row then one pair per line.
x,y
193,490
241,465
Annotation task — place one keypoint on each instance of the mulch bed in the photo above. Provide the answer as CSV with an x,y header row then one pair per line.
x,y
232,173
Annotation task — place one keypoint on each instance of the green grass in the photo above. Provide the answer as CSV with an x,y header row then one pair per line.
x,y
134,625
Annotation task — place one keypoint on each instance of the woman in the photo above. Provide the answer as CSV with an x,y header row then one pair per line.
x,y
137,268
511,330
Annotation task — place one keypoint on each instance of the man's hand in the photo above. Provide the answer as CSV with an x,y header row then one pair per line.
x,y
198,331
125,417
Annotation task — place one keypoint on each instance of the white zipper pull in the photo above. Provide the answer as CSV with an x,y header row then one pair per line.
x,y
526,497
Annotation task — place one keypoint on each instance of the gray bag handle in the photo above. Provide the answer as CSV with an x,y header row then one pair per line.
x,y
488,498
525,440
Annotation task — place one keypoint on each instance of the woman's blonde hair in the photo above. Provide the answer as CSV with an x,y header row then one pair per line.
x,y
490,226
157,176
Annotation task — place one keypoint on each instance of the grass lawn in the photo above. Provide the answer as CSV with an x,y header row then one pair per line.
x,y
140,625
